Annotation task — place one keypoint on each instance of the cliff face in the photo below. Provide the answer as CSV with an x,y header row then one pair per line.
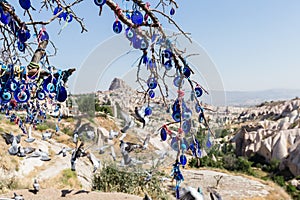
x,y
117,84
271,130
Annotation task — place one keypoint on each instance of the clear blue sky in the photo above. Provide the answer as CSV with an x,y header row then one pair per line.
x,y
255,44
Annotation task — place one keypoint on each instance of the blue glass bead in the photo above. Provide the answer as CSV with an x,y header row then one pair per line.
x,y
176,106
197,108
168,64
176,116
23,35
49,84
144,44
152,83
176,81
186,72
186,126
148,111
201,117
13,85
198,91
6,96
151,94
99,2
130,33
137,17
136,42
172,11
174,144
21,96
62,94
57,10
163,134
5,17
68,17
151,64
21,46
25,4
117,27
43,35
168,53
40,95
183,160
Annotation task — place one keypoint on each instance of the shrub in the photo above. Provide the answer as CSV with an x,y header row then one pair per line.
x,y
112,179
42,127
279,180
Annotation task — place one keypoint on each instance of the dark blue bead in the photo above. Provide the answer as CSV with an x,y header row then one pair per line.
x,y
172,11
152,83
99,2
163,134
117,27
198,91
25,4
151,94
137,17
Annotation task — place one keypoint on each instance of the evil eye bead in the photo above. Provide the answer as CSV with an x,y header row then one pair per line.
x,y
152,83
51,87
163,134
25,4
176,81
186,126
13,86
43,35
201,118
151,64
40,95
172,11
176,116
21,96
21,46
168,64
136,42
198,91
5,17
151,94
144,44
99,2
176,106
57,10
68,17
23,35
130,33
186,72
174,144
137,17
148,111
197,108
49,84
6,96
183,160
62,94
168,53
117,27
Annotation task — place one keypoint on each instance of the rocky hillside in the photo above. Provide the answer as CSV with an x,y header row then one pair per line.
x,y
55,175
271,130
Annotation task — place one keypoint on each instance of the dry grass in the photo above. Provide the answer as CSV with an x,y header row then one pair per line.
x,y
65,179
